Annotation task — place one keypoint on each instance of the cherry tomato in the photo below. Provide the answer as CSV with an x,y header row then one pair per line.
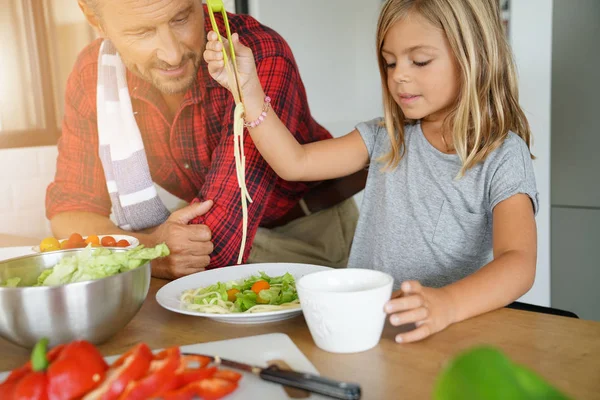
x,y
76,239
49,244
108,241
93,239
64,245
231,294
122,243
260,285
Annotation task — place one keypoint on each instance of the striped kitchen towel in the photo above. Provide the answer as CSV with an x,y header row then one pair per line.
x,y
135,202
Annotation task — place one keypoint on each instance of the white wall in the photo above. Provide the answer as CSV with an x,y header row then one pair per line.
x,y
24,175
531,40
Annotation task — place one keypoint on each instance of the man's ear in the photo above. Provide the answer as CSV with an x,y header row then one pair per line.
x,y
91,16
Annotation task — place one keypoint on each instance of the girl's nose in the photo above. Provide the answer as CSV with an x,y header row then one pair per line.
x,y
400,76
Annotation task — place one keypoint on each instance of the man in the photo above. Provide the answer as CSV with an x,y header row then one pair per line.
x,y
141,109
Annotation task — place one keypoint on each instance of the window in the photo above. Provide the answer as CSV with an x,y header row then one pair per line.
x,y
41,40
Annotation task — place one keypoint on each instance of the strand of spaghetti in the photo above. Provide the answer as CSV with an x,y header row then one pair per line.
x,y
239,135
243,156
236,145
240,161
238,132
223,307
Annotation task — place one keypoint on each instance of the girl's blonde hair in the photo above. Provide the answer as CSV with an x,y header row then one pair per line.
x,y
488,101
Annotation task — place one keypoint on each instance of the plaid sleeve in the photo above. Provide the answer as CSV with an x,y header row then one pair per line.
x,y
281,82
79,183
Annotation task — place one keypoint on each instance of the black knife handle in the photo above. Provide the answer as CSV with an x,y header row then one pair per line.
x,y
312,383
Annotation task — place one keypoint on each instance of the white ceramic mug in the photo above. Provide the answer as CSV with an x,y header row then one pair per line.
x,y
344,307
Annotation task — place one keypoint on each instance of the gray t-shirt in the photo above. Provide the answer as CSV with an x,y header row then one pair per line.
x,y
419,222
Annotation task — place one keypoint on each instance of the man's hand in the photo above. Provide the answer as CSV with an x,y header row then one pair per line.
x,y
190,245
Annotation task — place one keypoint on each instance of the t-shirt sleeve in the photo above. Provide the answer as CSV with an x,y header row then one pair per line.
x,y
514,175
370,132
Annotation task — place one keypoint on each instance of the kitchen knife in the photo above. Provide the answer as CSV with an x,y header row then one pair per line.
x,y
301,380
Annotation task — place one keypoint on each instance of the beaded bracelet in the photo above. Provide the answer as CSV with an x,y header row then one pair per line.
x,y
262,115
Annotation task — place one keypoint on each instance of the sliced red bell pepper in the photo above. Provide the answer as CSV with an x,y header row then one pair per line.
x,y
162,371
184,393
185,375
181,386
228,375
71,370
77,369
7,387
207,389
130,366
7,390
175,381
194,375
213,388
34,386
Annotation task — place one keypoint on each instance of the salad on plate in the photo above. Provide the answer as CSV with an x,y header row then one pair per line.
x,y
257,293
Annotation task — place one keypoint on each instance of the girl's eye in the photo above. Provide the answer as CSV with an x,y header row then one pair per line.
x,y
421,64
390,65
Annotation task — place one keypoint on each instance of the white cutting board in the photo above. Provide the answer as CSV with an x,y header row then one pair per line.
x,y
255,350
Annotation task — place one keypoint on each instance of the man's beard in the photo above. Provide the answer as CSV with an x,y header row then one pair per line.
x,y
166,85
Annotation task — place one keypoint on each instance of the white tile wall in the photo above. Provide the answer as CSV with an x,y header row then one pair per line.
x,y
24,175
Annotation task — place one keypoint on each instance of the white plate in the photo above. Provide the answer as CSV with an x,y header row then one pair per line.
x,y
133,242
168,296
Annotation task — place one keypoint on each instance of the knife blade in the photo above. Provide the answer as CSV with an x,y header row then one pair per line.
x,y
300,380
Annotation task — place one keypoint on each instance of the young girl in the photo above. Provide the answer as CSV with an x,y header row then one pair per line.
x,y
450,202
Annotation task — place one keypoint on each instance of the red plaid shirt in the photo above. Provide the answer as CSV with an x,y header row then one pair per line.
x,y
192,157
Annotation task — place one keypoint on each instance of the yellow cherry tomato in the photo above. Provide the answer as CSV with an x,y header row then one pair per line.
x,y
49,244
93,239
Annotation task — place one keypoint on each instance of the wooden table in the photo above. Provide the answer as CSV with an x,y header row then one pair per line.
x,y
565,351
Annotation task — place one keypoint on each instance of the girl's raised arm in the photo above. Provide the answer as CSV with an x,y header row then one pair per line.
x,y
292,161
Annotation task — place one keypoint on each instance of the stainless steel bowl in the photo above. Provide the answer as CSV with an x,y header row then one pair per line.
x,y
93,310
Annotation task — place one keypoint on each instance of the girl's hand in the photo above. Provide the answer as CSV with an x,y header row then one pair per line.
x,y
430,309
213,55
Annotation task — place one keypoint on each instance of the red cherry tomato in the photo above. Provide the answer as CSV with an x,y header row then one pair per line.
x,y
108,241
122,243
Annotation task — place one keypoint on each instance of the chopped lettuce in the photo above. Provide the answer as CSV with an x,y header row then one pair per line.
x,y
11,282
98,263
